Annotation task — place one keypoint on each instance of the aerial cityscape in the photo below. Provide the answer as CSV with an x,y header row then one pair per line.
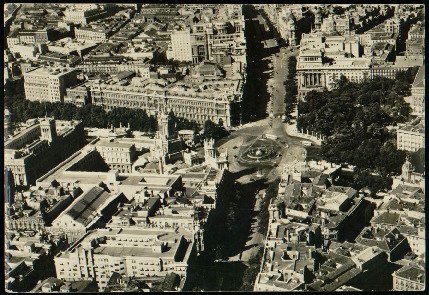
x,y
214,147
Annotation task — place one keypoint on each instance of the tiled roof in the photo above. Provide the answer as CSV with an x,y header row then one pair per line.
x,y
387,218
83,210
411,273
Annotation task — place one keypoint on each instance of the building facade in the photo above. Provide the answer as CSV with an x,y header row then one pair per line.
x,y
409,278
83,16
324,59
43,84
221,105
119,156
139,253
92,35
417,98
181,45
411,136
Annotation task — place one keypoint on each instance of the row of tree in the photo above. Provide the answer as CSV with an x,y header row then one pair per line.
x,y
96,116
215,131
250,274
252,271
291,88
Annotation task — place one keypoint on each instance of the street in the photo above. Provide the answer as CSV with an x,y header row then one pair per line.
x,y
262,108
274,67
276,87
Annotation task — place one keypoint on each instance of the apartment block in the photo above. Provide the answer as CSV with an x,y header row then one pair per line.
x,y
181,45
83,16
48,84
138,253
409,278
411,136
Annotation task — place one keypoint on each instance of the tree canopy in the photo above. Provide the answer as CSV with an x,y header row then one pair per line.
x,y
353,117
91,115
291,87
213,130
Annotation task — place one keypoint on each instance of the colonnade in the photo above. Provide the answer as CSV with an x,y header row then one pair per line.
x,y
311,79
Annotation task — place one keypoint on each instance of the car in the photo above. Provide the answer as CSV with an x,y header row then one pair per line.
x,y
234,147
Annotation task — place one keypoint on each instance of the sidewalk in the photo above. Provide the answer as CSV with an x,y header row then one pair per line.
x,y
290,129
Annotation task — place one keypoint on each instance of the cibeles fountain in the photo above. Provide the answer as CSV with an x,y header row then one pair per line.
x,y
262,151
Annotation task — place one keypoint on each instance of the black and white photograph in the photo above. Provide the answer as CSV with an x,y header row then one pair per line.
x,y
178,147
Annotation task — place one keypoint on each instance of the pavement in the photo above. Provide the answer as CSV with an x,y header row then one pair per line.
x,y
276,87
275,84
292,148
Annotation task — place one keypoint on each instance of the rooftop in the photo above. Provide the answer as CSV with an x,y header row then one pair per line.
x,y
43,71
412,273
389,218
107,143
416,126
83,209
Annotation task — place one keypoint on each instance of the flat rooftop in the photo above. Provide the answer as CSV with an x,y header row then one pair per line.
x,y
416,126
42,71
134,251
152,179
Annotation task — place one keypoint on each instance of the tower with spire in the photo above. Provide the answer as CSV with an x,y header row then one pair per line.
x,y
317,19
48,129
167,145
348,23
209,149
165,123
211,157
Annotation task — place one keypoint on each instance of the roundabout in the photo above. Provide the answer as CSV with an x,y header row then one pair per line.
x,y
262,151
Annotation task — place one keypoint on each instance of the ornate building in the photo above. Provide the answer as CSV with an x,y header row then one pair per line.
x,y
39,146
324,59
212,158
217,100
411,136
168,146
